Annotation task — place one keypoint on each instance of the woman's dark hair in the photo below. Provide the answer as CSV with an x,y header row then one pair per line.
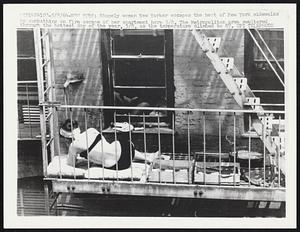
x,y
67,125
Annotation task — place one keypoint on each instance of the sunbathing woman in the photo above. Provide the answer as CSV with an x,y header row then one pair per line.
x,y
117,155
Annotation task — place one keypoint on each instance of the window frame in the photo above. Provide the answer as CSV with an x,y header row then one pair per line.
x,y
108,71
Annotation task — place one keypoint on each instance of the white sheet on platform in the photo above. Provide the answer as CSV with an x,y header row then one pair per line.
x,y
57,167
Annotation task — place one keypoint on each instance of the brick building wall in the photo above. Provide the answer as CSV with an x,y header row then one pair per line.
x,y
197,84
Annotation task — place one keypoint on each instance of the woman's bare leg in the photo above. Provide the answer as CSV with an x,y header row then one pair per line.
x,y
149,157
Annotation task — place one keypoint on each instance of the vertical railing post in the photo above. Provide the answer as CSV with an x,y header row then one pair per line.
x,y
189,145
145,143
87,143
264,151
72,138
46,194
130,147
116,149
102,151
279,153
173,145
57,141
249,146
159,147
204,149
234,148
220,148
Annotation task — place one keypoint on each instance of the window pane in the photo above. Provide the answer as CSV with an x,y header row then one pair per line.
x,y
138,44
140,72
25,44
26,70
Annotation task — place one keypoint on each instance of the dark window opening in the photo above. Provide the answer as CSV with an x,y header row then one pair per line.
x,y
138,71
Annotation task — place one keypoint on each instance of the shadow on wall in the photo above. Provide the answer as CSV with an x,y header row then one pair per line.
x,y
78,50
196,81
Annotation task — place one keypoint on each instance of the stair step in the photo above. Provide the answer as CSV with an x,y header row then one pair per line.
x,y
215,42
241,83
254,102
228,62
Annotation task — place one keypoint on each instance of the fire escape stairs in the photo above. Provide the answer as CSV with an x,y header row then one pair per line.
x,y
263,126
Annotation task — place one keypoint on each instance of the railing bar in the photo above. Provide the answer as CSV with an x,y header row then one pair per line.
x,y
266,91
249,146
264,152
204,148
267,59
167,109
73,160
159,150
220,148
234,148
136,57
130,147
87,143
173,146
279,153
58,146
189,145
29,114
138,87
28,82
271,53
145,143
65,100
102,151
115,132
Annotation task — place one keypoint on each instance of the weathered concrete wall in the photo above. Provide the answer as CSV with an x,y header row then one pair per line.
x,y
197,83
78,50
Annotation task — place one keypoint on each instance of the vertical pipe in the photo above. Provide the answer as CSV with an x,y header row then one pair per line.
x,y
130,147
220,148
204,149
189,145
66,103
102,152
87,143
71,118
46,192
145,143
264,142
159,148
116,149
279,153
28,109
234,147
57,141
173,145
249,146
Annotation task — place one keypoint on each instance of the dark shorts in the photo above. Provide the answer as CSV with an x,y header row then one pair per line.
x,y
127,148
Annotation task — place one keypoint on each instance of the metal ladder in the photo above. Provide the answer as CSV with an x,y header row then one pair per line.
x,y
241,92
46,92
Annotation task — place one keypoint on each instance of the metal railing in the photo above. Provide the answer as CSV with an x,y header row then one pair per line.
x,y
29,122
197,162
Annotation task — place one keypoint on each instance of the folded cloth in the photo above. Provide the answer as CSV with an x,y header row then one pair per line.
x,y
58,166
